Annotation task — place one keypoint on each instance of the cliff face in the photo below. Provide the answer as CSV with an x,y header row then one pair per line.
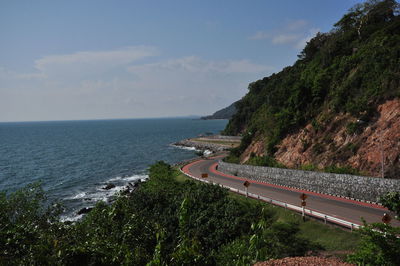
x,y
383,136
336,107
332,142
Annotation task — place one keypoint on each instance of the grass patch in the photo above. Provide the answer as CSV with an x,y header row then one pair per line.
x,y
331,238
181,177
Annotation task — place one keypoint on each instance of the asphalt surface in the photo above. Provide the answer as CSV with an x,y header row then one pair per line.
x,y
345,209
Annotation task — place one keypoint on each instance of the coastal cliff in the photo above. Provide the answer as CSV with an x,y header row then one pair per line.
x,y
332,142
337,108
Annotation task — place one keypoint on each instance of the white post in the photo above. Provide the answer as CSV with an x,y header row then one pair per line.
x,y
382,157
247,193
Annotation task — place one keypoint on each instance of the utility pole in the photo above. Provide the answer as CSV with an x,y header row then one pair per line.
x,y
382,157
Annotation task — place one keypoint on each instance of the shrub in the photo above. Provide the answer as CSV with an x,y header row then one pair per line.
x,y
264,161
341,170
309,167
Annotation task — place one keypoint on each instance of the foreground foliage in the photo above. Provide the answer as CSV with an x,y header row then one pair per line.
x,y
170,222
380,243
164,222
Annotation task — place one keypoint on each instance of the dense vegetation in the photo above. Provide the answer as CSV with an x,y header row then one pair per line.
x,y
350,69
168,221
380,243
163,222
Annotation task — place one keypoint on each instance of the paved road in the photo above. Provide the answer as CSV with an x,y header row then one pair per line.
x,y
348,210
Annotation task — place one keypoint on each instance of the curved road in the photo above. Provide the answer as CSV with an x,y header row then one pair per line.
x,y
341,208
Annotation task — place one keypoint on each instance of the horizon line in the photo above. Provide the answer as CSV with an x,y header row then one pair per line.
x,y
103,119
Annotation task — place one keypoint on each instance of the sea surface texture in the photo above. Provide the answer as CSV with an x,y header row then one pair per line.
x,y
74,160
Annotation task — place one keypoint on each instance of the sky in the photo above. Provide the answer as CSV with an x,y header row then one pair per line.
x,y
73,60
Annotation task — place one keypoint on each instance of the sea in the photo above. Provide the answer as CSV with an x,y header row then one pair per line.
x,y
75,160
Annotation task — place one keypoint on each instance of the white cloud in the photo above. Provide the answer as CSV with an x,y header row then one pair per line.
x,y
243,66
296,24
123,83
110,58
11,75
90,64
260,35
295,33
285,38
198,65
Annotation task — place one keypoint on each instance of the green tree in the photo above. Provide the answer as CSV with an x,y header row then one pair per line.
x,y
29,227
351,69
380,243
391,201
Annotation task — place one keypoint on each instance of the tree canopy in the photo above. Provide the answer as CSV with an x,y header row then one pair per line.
x,y
350,69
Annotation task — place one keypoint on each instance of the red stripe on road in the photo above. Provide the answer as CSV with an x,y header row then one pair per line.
x,y
213,169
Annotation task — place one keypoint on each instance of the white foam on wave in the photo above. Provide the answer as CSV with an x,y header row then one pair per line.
x,y
70,218
104,195
185,148
207,152
101,194
80,195
136,177
119,179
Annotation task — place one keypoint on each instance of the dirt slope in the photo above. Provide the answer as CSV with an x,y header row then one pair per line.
x,y
343,140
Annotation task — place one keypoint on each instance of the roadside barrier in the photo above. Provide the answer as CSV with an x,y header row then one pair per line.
x,y
322,216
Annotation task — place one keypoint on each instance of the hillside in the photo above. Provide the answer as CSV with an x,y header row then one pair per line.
x,y
337,107
225,113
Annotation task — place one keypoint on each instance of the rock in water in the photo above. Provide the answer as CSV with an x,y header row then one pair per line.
x,y
109,186
84,210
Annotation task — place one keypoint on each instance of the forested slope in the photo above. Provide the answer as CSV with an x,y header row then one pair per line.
x,y
225,113
337,103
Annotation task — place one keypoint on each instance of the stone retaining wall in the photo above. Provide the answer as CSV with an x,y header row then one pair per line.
x,y
351,186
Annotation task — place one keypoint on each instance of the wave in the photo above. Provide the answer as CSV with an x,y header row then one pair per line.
x,y
80,195
207,152
98,193
142,177
71,218
188,148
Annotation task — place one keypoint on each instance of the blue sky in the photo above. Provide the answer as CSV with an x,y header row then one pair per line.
x,y
66,60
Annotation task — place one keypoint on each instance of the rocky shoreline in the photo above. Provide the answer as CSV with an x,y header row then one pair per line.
x,y
212,143
207,145
202,146
127,191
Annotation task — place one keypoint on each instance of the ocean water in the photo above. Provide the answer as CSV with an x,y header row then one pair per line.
x,y
74,160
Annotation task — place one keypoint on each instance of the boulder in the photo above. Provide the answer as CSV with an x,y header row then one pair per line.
x,y
84,210
109,186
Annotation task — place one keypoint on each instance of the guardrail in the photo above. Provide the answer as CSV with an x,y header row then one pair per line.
x,y
322,216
